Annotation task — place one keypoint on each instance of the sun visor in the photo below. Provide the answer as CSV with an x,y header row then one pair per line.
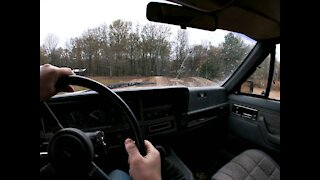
x,y
180,15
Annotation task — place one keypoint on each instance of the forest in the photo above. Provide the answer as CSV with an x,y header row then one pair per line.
x,y
122,49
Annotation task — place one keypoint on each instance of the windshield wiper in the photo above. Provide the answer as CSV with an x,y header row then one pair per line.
x,y
127,84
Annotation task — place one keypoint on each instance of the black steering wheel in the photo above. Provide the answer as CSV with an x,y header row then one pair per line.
x,y
71,150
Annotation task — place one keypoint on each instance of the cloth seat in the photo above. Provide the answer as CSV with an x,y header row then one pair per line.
x,y
249,165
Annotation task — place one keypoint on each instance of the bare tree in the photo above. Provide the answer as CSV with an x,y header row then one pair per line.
x,y
155,47
181,44
118,38
50,44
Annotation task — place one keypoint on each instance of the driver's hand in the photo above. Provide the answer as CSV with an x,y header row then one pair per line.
x,y
143,167
49,75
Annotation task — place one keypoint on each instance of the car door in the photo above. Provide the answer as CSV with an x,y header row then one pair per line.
x,y
254,119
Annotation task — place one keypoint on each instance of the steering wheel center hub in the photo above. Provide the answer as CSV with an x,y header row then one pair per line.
x,y
70,149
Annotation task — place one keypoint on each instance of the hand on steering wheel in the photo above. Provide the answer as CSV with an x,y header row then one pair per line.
x,y
71,150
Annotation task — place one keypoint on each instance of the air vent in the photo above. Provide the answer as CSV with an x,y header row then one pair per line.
x,y
159,112
159,127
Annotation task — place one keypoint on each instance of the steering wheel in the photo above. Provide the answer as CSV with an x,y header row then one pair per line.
x,y
71,150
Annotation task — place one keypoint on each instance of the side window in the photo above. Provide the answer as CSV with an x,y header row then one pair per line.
x,y
257,83
275,86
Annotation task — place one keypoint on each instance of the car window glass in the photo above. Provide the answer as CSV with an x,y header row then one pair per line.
x,y
257,83
122,46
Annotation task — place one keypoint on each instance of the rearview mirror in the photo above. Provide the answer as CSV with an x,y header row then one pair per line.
x,y
180,15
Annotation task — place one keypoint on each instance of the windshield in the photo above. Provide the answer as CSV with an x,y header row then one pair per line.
x,y
114,43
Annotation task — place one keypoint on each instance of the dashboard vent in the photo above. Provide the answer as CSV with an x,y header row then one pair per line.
x,y
160,126
158,112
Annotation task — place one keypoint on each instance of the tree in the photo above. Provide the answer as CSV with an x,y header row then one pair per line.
x,y
118,39
199,61
180,48
76,52
43,57
50,44
134,50
211,68
90,46
155,48
104,65
233,51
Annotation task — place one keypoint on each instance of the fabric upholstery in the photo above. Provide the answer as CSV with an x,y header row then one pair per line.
x,y
250,165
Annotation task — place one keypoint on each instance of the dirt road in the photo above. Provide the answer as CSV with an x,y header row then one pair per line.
x,y
167,81
170,81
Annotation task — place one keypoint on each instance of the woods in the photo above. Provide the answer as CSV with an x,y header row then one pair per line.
x,y
124,49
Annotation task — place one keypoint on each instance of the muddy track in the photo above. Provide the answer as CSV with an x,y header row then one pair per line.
x,y
169,81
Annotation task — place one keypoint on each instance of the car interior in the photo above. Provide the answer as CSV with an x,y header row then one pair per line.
x,y
209,132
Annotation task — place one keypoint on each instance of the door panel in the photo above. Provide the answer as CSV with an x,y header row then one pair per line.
x,y
256,120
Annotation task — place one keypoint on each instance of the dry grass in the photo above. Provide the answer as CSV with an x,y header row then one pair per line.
x,y
274,94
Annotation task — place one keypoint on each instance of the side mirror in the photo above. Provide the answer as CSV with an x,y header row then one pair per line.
x,y
180,15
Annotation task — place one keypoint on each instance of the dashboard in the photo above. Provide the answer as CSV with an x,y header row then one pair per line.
x,y
168,116
160,111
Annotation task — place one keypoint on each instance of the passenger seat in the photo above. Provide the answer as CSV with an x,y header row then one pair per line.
x,y
251,164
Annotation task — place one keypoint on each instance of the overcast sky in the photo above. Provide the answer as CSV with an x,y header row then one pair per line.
x,y
70,18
